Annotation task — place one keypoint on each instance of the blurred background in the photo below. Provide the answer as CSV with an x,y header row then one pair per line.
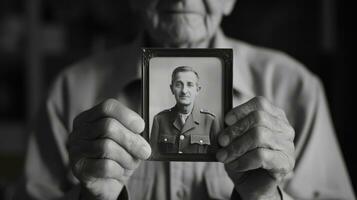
x,y
39,38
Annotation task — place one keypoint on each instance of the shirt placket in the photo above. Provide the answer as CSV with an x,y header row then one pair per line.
x,y
176,181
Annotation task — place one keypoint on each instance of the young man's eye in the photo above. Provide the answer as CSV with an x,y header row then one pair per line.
x,y
177,84
190,84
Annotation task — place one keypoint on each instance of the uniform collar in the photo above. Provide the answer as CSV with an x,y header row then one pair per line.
x,y
195,113
193,118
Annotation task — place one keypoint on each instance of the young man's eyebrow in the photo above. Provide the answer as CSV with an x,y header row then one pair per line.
x,y
178,81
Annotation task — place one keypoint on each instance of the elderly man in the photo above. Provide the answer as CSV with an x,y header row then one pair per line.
x,y
185,128
86,144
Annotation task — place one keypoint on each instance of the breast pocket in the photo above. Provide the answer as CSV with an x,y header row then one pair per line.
x,y
167,143
201,142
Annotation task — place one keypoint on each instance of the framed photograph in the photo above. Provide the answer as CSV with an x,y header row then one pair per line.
x,y
186,93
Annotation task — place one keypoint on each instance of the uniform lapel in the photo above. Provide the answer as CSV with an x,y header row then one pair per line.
x,y
192,120
177,123
196,114
174,119
188,125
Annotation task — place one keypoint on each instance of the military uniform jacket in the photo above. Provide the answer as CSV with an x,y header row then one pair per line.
x,y
197,136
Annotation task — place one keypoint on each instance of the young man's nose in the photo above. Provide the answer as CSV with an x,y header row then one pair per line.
x,y
184,89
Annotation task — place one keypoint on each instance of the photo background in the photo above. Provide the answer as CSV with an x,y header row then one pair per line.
x,y
209,70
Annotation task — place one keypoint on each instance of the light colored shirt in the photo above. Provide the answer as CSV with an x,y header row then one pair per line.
x,y
319,173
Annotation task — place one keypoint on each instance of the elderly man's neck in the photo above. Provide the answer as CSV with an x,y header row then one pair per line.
x,y
184,109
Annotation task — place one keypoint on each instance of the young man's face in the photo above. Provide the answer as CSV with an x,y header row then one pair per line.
x,y
185,88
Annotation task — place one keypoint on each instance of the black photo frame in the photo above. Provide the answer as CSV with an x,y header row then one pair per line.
x,y
154,57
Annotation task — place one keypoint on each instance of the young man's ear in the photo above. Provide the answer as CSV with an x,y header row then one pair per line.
x,y
172,91
198,89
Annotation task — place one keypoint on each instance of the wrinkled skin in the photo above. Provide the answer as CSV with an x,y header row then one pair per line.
x,y
182,23
105,148
258,148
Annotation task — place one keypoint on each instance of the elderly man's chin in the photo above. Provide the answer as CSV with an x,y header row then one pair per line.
x,y
181,30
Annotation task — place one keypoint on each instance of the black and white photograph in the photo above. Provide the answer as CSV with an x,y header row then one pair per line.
x,y
177,100
186,95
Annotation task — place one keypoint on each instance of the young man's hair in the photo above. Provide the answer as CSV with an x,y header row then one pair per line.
x,y
183,69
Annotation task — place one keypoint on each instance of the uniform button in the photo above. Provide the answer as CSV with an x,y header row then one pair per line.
x,y
201,141
165,139
182,137
180,152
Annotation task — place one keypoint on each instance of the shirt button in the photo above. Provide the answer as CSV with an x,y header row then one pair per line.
x,y
179,194
165,139
182,137
180,152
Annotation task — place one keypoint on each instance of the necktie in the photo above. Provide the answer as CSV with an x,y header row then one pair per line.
x,y
182,119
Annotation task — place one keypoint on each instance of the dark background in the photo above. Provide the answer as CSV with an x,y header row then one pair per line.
x,y
39,38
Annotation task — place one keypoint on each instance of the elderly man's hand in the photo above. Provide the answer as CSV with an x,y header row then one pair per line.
x,y
258,148
105,148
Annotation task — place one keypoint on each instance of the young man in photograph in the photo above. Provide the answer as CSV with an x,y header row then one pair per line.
x,y
185,128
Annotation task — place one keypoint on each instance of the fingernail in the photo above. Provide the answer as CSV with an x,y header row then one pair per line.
x,y
137,126
231,119
222,155
145,152
224,140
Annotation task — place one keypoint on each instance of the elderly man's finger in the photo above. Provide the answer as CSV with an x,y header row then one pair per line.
x,y
110,128
275,162
257,137
257,103
255,119
105,148
113,109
